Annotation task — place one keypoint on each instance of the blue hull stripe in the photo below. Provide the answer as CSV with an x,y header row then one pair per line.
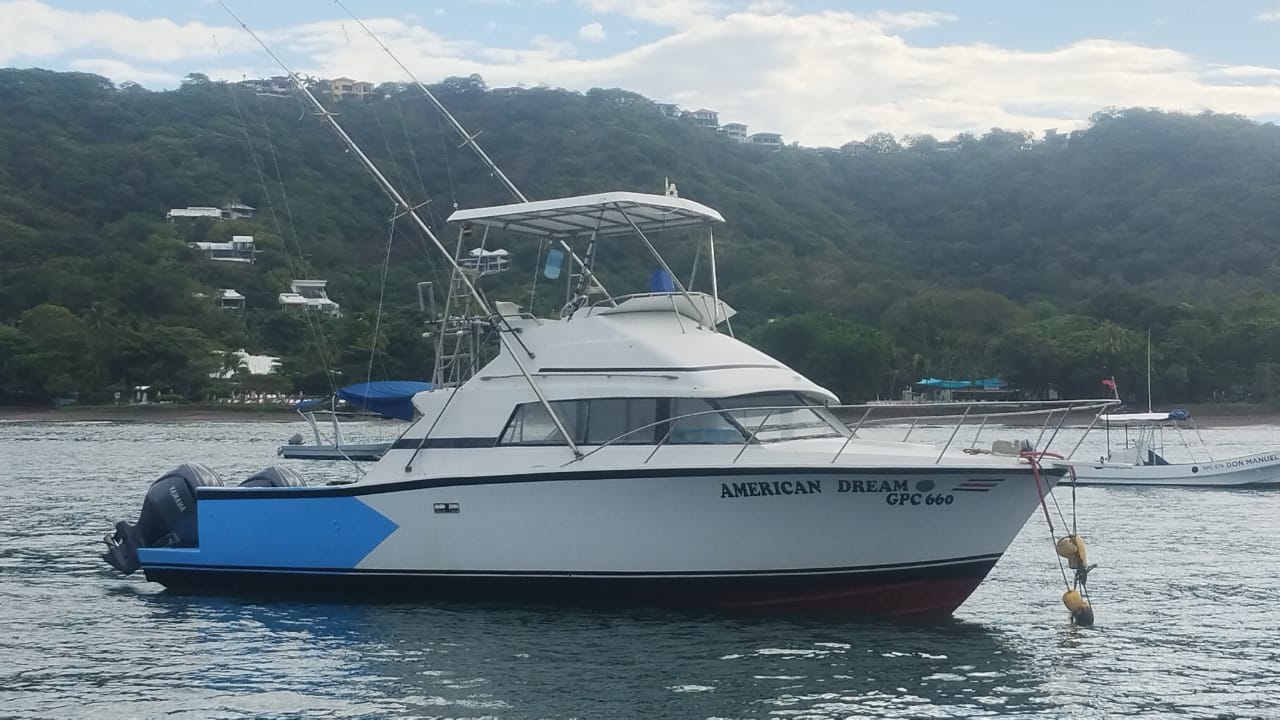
x,y
296,532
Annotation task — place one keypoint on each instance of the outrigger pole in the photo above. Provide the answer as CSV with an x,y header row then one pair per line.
x,y
470,140
412,212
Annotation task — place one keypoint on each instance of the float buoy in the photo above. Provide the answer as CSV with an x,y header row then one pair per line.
x,y
1081,611
1071,547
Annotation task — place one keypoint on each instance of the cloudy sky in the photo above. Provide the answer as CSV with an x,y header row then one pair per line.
x,y
818,71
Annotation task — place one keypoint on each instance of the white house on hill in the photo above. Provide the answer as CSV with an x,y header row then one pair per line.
x,y
735,131
252,364
310,294
230,211
767,139
241,249
487,262
229,299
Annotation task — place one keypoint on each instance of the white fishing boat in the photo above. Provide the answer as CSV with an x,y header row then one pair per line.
x,y
1137,454
628,449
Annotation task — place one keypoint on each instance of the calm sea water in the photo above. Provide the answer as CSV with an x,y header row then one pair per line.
x,y
1187,598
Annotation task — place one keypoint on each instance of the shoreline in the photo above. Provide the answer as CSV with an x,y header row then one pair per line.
x,y
1204,415
151,413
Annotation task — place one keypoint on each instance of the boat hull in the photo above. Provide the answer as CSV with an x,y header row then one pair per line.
x,y
924,590
862,540
1251,471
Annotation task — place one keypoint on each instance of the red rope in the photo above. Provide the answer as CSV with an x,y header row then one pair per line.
x,y
1032,457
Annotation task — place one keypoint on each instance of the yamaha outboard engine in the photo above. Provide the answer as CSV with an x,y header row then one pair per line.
x,y
168,517
274,476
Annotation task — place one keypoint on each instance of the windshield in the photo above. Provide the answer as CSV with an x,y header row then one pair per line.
x,y
759,414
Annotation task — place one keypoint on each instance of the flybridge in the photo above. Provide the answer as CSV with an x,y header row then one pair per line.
x,y
601,214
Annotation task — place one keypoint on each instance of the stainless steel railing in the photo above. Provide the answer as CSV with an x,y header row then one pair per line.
x,y
986,411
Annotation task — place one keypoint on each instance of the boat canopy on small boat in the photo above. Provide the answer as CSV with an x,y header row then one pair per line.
x,y
391,399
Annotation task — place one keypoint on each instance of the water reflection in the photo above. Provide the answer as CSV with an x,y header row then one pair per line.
x,y
469,661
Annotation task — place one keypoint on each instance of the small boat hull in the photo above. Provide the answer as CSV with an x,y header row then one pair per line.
x,y
1259,470
360,452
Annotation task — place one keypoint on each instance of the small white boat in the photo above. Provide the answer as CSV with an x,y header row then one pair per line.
x,y
1140,458
382,398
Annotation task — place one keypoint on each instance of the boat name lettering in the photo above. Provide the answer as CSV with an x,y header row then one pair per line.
x,y
770,487
1241,462
872,486
919,499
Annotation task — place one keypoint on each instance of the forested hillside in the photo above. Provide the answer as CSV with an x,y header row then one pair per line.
x,y
1045,261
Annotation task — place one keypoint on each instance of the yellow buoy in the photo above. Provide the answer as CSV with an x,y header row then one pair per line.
x,y
1079,608
1071,547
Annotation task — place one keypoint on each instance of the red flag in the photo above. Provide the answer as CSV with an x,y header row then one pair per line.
x,y
1109,383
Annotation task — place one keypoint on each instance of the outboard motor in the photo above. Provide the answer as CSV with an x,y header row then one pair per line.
x,y
168,517
274,476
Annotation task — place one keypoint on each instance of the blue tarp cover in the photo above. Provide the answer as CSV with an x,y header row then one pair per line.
x,y
985,383
390,398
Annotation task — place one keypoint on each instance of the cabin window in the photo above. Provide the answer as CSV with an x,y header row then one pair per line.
x,y
702,426
611,418
673,421
531,425
589,422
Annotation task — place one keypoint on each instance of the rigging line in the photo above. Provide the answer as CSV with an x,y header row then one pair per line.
x,y
382,294
386,142
537,270
317,331
467,138
448,168
413,155
493,318
275,217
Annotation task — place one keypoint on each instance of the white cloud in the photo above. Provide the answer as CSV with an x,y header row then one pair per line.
x,y
675,13
35,30
1270,15
770,7
1243,72
121,72
592,32
911,20
820,78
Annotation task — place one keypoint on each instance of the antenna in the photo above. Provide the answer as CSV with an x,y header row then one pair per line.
x,y
412,212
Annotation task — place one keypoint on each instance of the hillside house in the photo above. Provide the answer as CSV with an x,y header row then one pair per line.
x,y
277,86
855,148
703,118
230,211
735,131
241,249
251,364
344,88
229,299
671,110
487,262
766,139
310,295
